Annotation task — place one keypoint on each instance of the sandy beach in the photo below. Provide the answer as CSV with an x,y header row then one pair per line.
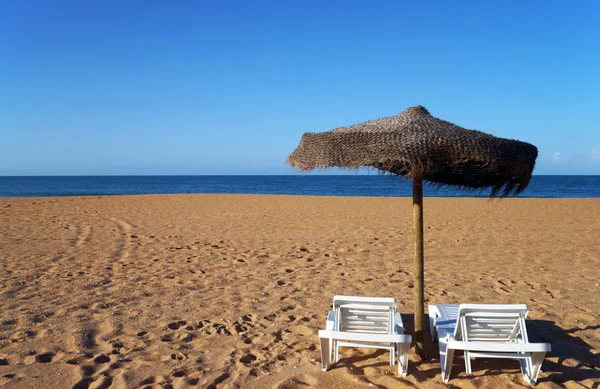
x,y
229,291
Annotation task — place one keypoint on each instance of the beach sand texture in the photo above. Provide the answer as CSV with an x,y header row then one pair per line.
x,y
228,291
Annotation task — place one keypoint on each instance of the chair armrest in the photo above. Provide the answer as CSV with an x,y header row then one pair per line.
x,y
330,325
499,347
365,337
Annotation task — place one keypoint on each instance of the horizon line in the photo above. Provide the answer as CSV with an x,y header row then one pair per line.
x,y
244,175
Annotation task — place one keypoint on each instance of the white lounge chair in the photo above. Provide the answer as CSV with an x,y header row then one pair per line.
x,y
486,331
370,322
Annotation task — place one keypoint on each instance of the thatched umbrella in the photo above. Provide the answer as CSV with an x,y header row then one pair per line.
x,y
417,145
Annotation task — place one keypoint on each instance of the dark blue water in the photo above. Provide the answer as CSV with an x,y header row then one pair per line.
x,y
317,185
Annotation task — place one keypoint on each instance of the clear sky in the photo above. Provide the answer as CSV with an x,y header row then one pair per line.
x,y
222,87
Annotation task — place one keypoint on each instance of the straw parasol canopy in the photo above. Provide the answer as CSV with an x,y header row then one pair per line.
x,y
416,145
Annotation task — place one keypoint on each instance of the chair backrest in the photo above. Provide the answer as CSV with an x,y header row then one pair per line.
x,y
364,314
498,322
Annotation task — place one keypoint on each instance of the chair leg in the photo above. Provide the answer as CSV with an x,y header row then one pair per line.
x,y
403,349
531,366
325,353
536,361
467,363
446,356
336,354
392,356
524,363
330,350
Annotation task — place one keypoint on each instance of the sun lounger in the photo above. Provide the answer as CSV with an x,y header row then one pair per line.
x,y
369,322
486,331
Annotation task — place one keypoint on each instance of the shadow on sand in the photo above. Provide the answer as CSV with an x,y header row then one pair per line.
x,y
571,358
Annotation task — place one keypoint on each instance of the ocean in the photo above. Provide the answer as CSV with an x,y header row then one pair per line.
x,y
312,185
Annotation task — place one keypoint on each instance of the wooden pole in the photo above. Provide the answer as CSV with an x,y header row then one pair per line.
x,y
417,196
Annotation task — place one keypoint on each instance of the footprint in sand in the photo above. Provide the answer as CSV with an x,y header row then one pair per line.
x,y
102,358
248,359
83,339
176,324
5,378
552,294
304,381
179,373
501,290
221,329
180,338
148,381
84,383
109,331
123,252
302,330
220,379
45,357
83,234
86,380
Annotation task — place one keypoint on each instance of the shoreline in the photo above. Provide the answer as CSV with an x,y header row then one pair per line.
x,y
425,196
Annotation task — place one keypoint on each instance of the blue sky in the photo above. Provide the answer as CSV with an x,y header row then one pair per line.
x,y
149,87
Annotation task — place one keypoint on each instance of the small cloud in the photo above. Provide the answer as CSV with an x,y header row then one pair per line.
x,y
556,157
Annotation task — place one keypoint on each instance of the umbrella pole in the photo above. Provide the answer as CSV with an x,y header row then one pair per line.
x,y
417,196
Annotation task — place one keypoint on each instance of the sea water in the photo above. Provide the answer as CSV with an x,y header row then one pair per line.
x,y
313,185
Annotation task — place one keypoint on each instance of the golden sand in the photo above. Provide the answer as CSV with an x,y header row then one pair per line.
x,y
228,291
